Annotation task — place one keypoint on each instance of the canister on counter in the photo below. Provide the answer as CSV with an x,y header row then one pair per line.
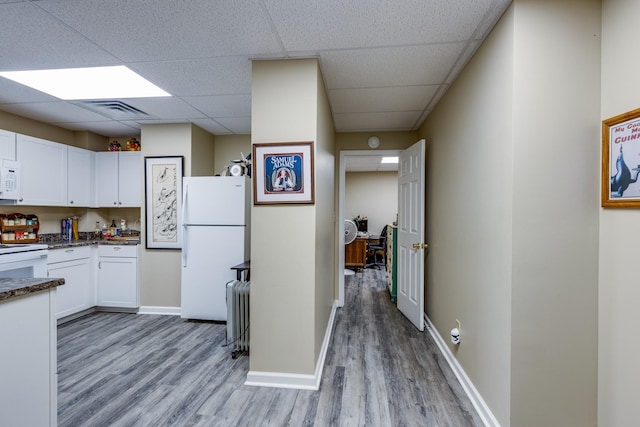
x,y
65,228
74,227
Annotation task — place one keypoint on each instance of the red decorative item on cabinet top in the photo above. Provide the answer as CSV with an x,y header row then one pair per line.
x,y
133,145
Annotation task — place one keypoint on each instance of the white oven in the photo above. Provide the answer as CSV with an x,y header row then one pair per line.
x,y
22,261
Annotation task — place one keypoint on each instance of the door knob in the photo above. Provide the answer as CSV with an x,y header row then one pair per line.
x,y
420,246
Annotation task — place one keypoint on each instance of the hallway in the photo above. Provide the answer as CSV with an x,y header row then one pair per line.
x,y
148,370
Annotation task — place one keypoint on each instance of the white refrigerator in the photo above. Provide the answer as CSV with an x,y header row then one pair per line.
x,y
216,236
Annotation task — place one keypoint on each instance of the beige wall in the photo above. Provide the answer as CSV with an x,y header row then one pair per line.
x,y
202,152
25,126
228,148
555,212
513,226
285,243
469,210
374,195
388,140
160,269
619,289
325,232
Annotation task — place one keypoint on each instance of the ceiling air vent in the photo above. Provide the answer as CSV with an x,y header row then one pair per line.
x,y
114,109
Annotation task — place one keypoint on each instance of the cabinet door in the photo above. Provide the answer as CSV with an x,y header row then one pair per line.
x,y
356,253
106,176
80,177
117,282
129,179
43,172
7,145
76,294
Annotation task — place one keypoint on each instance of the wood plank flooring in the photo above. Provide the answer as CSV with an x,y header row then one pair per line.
x,y
148,370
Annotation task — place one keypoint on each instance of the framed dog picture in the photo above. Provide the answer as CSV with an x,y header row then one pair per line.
x,y
283,173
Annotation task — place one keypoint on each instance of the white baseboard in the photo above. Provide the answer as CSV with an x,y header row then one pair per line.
x,y
296,381
478,402
150,309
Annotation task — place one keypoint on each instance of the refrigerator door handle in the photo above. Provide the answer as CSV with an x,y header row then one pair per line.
x,y
184,226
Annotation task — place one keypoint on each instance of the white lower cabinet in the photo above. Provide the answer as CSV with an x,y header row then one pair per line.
x,y
117,276
75,267
28,354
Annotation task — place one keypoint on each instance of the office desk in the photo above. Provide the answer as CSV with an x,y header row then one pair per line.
x,y
355,253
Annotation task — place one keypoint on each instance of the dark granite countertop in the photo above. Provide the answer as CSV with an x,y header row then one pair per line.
x,y
58,244
12,288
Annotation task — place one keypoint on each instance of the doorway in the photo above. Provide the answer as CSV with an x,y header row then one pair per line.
x,y
345,156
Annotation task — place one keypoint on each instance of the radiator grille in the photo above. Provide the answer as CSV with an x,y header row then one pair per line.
x,y
238,316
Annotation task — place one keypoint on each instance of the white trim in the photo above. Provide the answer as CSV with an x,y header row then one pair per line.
x,y
296,381
150,309
478,402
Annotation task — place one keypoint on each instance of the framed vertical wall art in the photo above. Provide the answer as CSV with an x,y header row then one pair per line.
x,y
621,161
163,201
283,173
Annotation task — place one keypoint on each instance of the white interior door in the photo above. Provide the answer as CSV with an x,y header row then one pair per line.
x,y
411,246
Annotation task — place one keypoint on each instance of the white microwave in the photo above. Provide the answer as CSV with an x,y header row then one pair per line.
x,y
9,180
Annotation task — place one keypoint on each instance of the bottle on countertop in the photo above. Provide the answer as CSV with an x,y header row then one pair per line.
x,y
112,230
97,232
105,231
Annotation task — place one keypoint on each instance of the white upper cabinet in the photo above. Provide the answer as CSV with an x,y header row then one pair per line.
x,y
7,145
130,178
43,171
118,179
80,177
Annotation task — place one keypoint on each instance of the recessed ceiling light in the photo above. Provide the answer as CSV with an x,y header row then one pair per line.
x,y
87,83
389,160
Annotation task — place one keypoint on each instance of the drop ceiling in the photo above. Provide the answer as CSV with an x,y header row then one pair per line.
x,y
385,64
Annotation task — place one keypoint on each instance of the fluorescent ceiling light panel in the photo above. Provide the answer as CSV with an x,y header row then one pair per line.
x,y
389,160
87,83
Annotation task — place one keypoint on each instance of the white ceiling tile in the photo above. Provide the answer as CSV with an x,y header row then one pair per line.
x,y
222,105
212,126
12,92
171,108
31,38
49,112
238,125
401,66
345,24
381,61
145,30
213,76
366,100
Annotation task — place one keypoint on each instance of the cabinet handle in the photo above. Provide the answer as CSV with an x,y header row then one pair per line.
x,y
21,199
115,203
71,202
69,251
100,265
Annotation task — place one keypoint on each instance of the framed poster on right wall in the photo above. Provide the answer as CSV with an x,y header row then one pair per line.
x,y
621,161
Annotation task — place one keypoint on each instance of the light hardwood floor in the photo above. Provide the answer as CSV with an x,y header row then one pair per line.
x,y
148,370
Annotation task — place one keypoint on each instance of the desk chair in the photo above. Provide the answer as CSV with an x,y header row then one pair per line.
x,y
378,251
